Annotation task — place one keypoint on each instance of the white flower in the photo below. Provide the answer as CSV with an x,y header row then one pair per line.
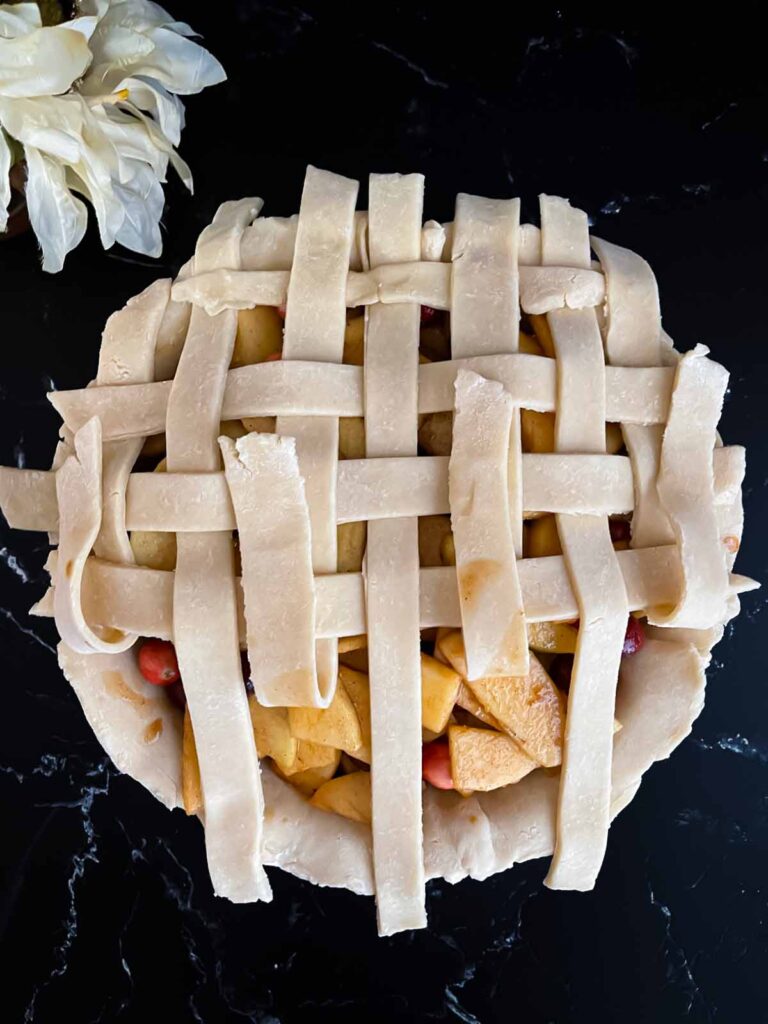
x,y
94,105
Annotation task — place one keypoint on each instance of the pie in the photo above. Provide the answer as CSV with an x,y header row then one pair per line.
x,y
393,550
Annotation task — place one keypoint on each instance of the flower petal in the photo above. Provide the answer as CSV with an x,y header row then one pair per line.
x,y
53,124
143,200
57,217
44,62
5,184
19,20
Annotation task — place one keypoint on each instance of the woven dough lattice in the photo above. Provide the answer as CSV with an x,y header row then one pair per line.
x,y
165,367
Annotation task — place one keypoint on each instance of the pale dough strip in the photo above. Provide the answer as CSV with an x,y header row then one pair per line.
x,y
315,321
633,395
492,613
485,320
392,569
686,490
139,600
127,356
633,338
584,796
542,289
78,494
205,602
367,489
262,472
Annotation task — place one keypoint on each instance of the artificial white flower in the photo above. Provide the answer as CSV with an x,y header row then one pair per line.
x,y
93,105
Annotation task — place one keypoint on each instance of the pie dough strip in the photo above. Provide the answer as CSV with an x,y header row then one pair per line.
x,y
485,321
388,488
127,356
269,243
315,321
205,597
633,395
542,289
485,313
366,489
392,570
633,338
78,495
139,600
584,797
492,613
267,491
686,490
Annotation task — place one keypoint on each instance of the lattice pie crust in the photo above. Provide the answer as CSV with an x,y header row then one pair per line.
x,y
165,367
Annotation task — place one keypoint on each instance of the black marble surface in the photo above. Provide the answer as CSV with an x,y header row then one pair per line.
x,y
657,128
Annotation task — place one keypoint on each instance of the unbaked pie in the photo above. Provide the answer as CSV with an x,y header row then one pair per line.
x,y
393,550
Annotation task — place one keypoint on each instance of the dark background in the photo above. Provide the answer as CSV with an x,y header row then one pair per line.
x,y
658,130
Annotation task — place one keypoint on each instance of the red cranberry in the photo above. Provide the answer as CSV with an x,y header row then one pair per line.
x,y
620,530
634,638
428,314
436,764
157,662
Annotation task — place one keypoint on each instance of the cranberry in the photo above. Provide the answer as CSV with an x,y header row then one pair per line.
x,y
281,311
634,638
273,357
560,671
436,764
177,695
428,314
619,530
157,662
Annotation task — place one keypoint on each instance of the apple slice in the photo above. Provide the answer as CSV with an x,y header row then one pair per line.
x,y
530,708
541,538
537,430
450,644
352,643
350,546
432,531
357,660
354,341
436,433
347,795
543,334
359,691
191,791
311,779
483,759
469,702
439,689
259,335
152,548
352,437
529,345
314,755
335,726
552,637
272,732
